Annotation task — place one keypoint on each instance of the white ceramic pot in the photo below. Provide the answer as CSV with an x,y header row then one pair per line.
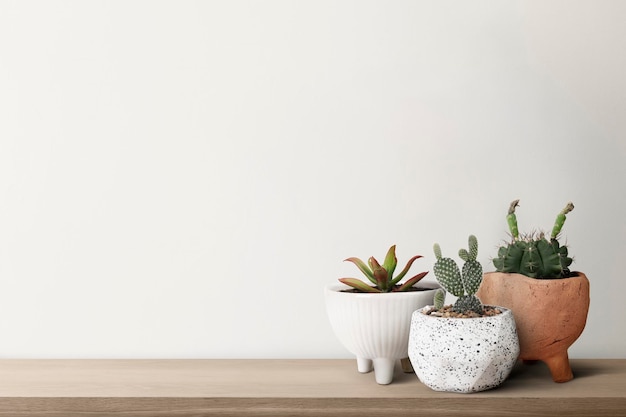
x,y
463,354
375,327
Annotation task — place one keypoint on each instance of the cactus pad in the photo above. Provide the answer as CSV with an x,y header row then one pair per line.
x,y
440,298
472,276
468,303
449,276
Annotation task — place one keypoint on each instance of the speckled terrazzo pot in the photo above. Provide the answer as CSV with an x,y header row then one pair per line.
x,y
463,354
375,327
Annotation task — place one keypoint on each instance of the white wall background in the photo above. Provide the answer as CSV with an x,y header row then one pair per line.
x,y
182,178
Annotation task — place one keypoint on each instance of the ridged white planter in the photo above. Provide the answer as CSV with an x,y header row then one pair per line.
x,y
375,327
463,355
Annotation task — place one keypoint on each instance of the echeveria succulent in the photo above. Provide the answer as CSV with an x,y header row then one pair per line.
x,y
382,275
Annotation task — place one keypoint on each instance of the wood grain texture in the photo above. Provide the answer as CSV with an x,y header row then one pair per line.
x,y
289,387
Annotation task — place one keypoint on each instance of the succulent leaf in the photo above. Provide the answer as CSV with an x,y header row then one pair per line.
x,y
380,274
363,268
390,261
358,284
401,275
373,263
412,281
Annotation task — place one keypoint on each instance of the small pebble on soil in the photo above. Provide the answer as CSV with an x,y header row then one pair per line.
x,y
447,311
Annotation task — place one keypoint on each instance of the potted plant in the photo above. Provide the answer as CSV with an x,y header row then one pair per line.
x,y
549,301
372,320
466,347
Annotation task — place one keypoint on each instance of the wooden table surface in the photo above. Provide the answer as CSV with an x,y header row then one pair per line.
x,y
290,387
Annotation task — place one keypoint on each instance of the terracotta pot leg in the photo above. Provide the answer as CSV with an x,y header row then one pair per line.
x,y
559,368
529,361
364,365
383,370
407,367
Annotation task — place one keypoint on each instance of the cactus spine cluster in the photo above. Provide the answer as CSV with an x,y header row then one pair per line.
x,y
533,255
461,283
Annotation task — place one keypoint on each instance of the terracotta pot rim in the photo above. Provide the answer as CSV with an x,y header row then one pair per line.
x,y
579,276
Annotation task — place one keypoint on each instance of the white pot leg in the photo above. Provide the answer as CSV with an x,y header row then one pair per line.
x,y
364,365
383,370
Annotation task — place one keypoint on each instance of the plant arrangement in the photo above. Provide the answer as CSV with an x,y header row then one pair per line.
x,y
465,347
533,254
462,284
372,320
382,275
550,302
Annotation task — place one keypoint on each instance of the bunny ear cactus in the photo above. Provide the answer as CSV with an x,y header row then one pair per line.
x,y
439,298
461,283
533,255
382,275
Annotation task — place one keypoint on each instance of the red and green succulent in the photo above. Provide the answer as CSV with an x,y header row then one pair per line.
x,y
382,275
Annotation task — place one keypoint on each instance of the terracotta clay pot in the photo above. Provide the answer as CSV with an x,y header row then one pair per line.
x,y
550,314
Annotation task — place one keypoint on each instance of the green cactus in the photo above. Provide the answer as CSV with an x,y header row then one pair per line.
x,y
440,298
560,219
382,275
532,254
468,303
462,284
512,219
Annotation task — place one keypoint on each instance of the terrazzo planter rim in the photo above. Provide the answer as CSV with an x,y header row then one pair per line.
x,y
439,379
504,310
